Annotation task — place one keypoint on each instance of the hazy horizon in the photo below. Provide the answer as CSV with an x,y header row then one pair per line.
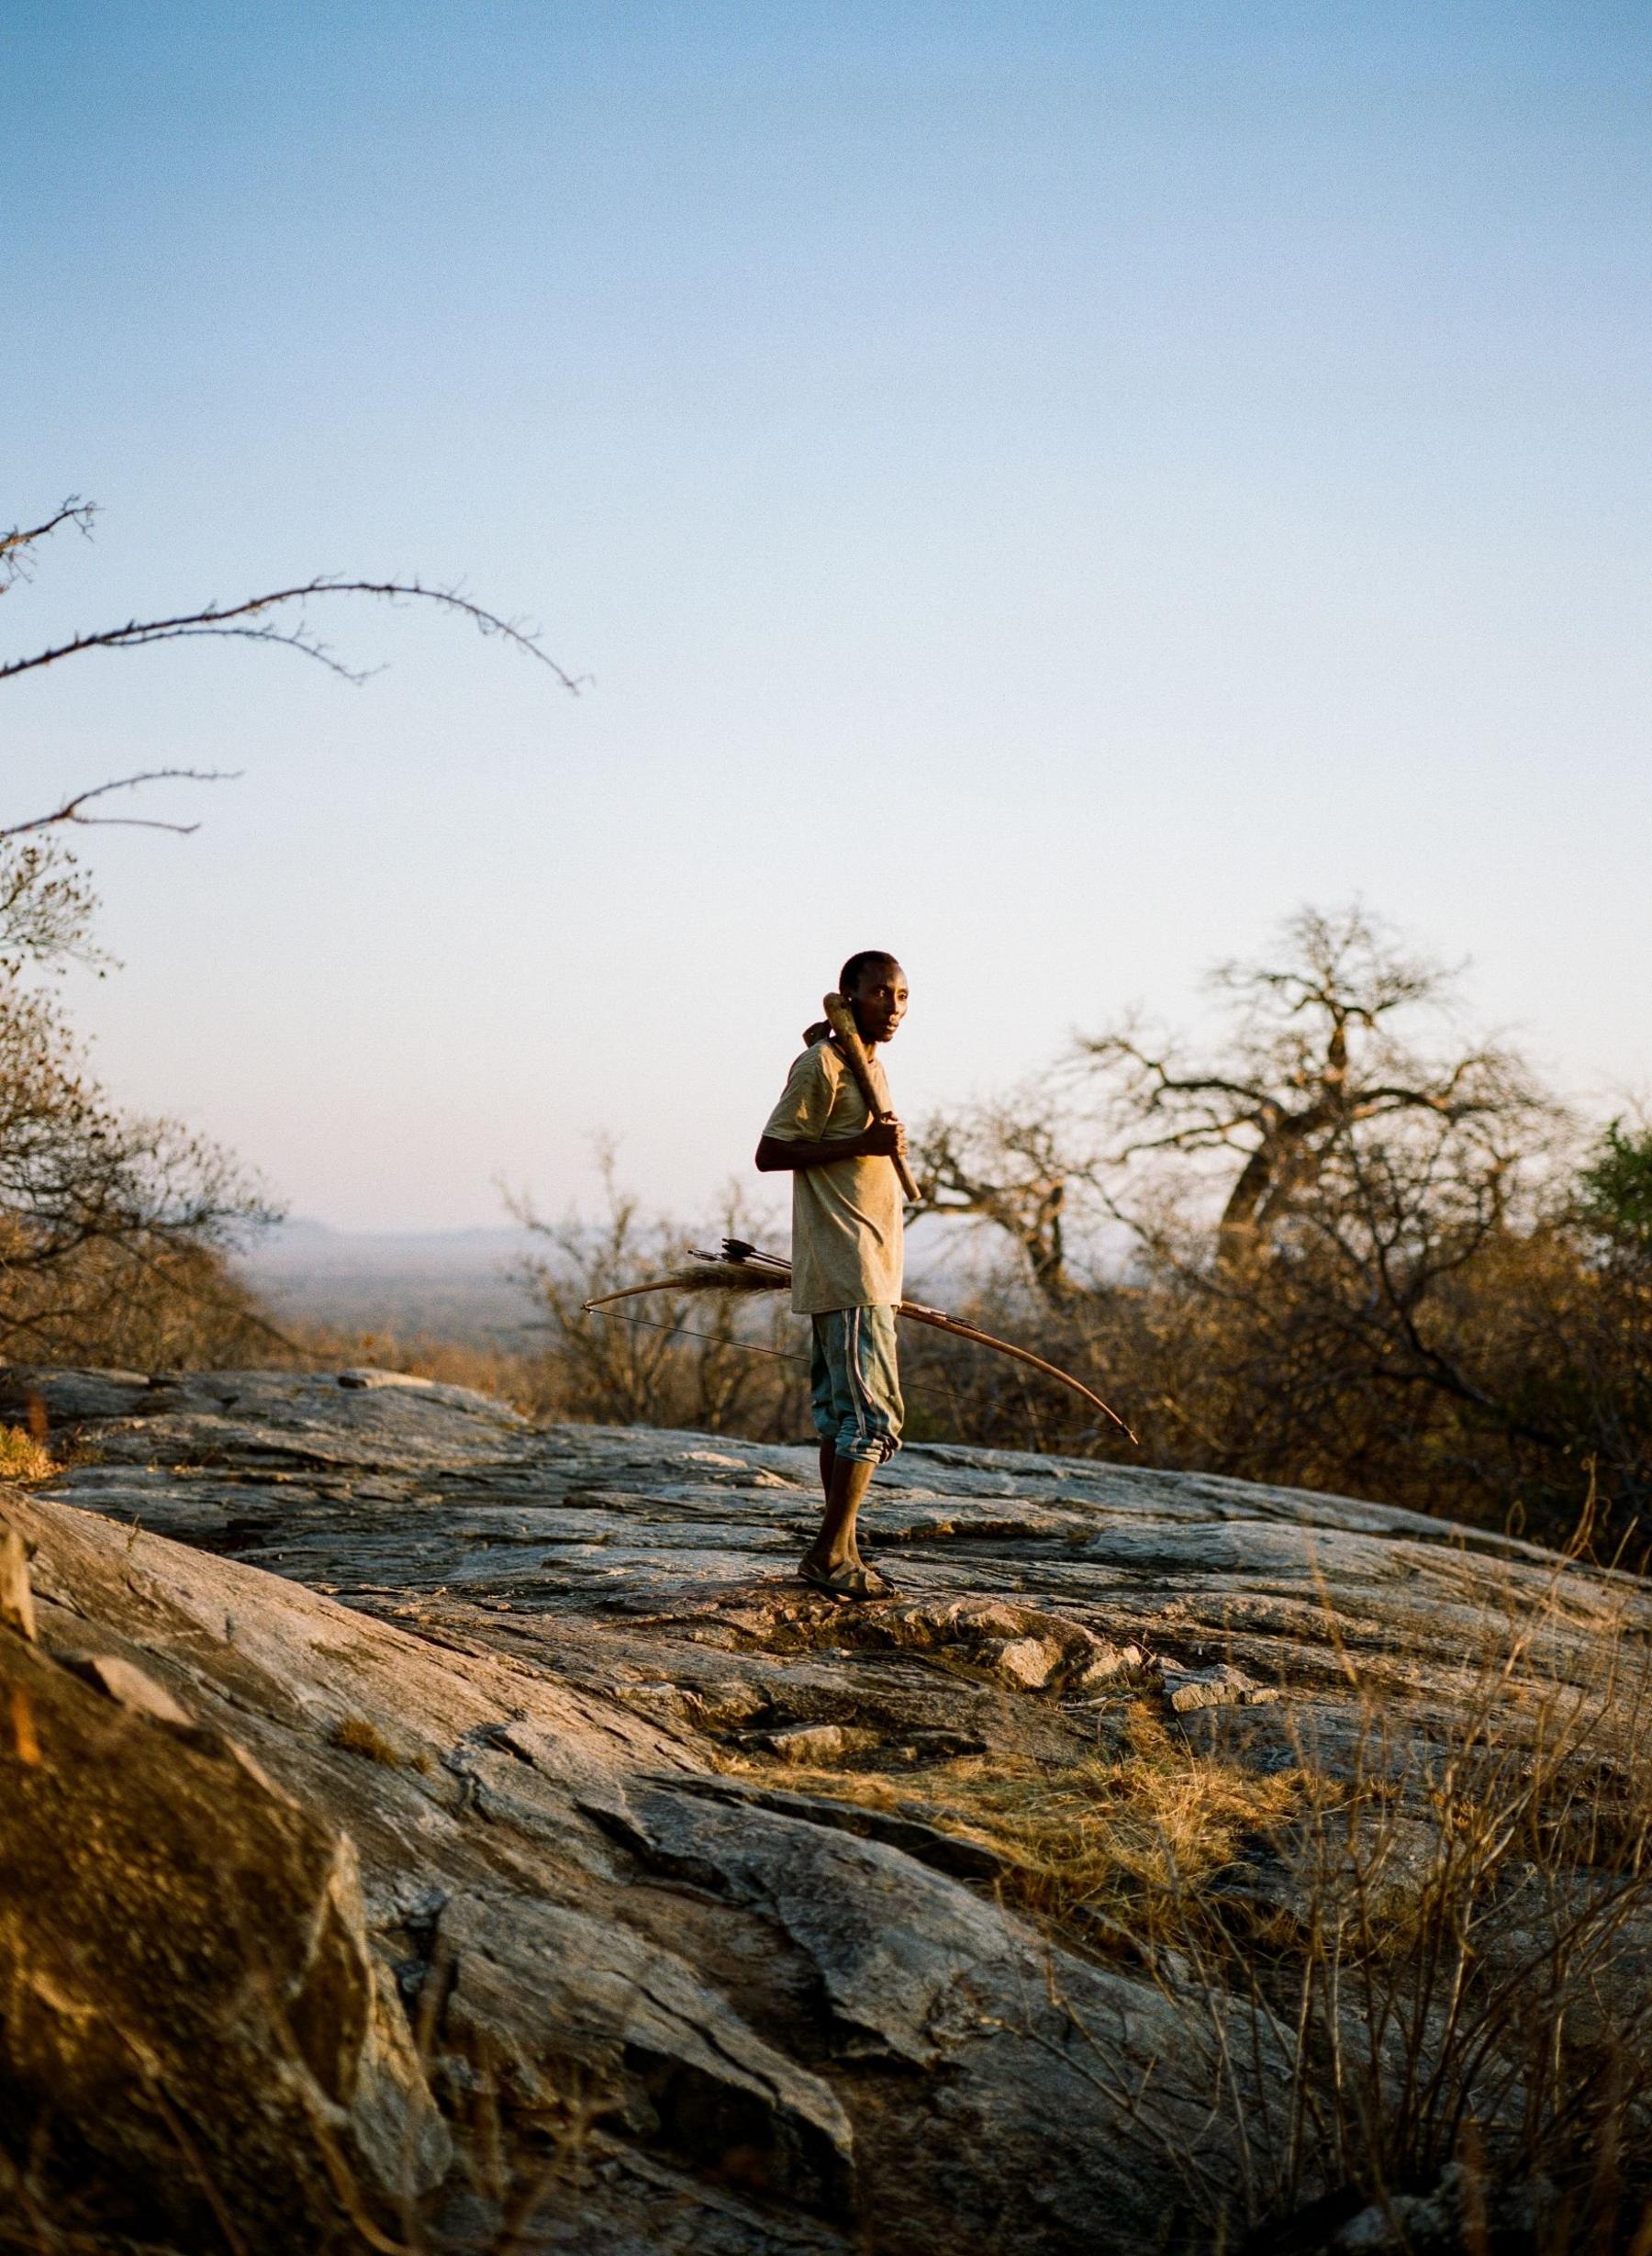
x,y
1048,490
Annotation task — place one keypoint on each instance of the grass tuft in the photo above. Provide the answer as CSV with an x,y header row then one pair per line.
x,y
356,1735
23,1459
1123,1843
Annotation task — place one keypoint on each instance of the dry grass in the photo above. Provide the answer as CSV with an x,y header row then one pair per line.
x,y
1458,1959
1126,1840
1448,1943
1118,1846
24,1457
507,1375
356,1735
1462,1972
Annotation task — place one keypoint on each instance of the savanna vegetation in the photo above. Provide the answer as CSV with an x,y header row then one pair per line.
x,y
1345,1245
1342,1241
1418,1969
1340,1250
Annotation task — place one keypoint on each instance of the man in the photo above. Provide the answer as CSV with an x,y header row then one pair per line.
x,y
847,1221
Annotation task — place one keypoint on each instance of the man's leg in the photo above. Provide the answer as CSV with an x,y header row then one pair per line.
x,y
845,1480
827,1465
857,1401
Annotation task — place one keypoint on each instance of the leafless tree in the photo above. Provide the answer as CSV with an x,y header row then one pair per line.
x,y
1325,1046
1018,1162
710,1362
1340,1039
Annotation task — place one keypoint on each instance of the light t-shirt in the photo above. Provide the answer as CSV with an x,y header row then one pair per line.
x,y
847,1222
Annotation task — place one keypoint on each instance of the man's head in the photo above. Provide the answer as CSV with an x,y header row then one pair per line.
x,y
875,987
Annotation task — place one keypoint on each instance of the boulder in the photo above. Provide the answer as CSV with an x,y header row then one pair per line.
x,y
195,2025
415,1815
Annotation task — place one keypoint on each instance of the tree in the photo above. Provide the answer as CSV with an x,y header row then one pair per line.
x,y
1354,1260
1323,1086
711,1362
102,1213
1614,1194
1011,1162
113,1228
1321,1066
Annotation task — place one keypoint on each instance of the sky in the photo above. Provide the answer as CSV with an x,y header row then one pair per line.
x,y
1046,490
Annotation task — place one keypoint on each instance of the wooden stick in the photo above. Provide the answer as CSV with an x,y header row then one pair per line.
x,y
840,1018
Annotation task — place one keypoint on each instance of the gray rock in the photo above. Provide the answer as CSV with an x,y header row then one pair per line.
x,y
193,2014
1027,1663
1188,1690
128,1685
818,1743
553,1692
541,1985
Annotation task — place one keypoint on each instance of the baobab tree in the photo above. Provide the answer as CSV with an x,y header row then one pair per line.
x,y
1342,1038
1017,1162
1340,1066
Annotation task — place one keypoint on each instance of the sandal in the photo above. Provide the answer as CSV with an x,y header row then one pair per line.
x,y
847,1581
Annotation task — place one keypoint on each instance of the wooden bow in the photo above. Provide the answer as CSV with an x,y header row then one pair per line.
x,y
740,1268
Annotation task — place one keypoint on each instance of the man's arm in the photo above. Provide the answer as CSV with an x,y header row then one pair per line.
x,y
883,1140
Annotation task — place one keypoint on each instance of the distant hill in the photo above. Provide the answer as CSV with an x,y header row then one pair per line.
x,y
456,1284
448,1284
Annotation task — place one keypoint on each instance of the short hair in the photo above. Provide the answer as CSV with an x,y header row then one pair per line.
x,y
850,976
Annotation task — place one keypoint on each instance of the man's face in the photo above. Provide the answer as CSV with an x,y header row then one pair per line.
x,y
879,1001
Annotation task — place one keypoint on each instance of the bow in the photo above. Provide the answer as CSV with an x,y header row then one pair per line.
x,y
740,1267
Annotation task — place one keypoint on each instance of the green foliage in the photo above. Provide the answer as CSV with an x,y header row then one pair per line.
x,y
1615,1190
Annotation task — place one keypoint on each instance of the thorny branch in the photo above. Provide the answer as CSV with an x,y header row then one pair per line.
x,y
72,808
15,544
276,616
228,621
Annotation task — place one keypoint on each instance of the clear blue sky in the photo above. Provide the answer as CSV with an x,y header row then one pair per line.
x,y
1045,489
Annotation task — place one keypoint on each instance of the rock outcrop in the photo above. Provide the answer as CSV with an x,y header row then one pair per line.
x,y
391,1787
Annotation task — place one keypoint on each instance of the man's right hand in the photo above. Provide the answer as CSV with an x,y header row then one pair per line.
x,y
885,1139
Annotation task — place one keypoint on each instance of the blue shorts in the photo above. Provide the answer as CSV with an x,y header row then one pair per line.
x,y
855,1382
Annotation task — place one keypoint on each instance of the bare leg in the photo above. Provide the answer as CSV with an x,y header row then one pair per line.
x,y
845,1484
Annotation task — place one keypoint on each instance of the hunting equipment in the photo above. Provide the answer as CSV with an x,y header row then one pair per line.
x,y
740,1268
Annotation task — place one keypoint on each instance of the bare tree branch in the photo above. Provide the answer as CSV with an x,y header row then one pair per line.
x,y
225,621
276,616
70,811
14,545
1014,1165
113,1228
1311,1058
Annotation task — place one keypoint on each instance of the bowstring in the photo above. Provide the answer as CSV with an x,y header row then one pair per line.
x,y
686,1331
748,1347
